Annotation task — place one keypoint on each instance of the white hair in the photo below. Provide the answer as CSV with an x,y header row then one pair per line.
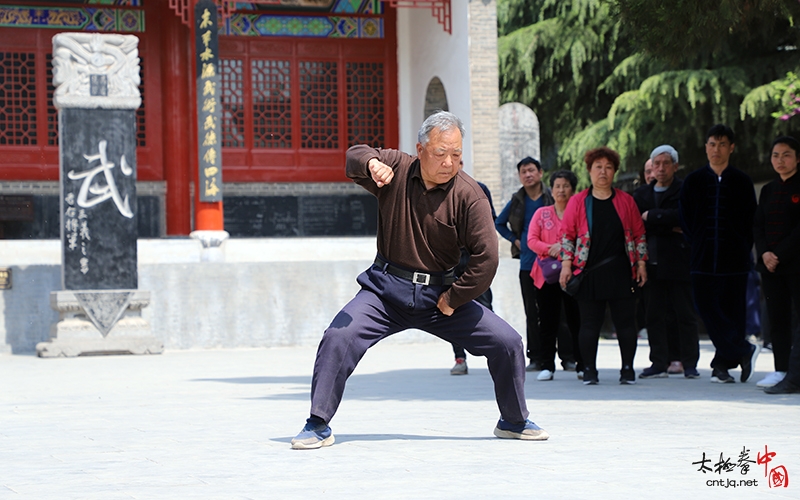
x,y
665,148
442,121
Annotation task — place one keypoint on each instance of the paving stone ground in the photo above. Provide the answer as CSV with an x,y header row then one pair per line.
x,y
217,424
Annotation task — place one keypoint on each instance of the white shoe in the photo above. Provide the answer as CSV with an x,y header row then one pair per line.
x,y
545,375
771,379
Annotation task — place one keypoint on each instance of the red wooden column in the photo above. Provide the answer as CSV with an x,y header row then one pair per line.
x,y
177,125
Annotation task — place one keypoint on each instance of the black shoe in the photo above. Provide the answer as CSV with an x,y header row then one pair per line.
x,y
627,376
654,372
783,387
590,377
749,361
721,376
691,373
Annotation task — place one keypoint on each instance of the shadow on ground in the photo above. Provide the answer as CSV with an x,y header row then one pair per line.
x,y
439,385
344,438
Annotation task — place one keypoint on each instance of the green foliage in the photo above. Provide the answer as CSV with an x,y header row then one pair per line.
x,y
636,74
556,64
672,29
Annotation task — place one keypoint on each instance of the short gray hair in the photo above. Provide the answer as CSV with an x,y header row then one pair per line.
x,y
441,120
665,148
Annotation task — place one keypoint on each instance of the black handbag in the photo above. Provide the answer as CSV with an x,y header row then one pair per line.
x,y
574,283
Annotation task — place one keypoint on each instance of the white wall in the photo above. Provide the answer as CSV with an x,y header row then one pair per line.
x,y
425,50
269,292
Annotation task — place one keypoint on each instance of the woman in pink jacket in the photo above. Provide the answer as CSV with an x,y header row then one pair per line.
x,y
603,236
544,238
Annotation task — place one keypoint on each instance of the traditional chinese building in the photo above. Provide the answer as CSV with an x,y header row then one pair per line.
x,y
299,82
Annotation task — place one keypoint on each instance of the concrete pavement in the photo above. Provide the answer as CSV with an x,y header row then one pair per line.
x,y
217,424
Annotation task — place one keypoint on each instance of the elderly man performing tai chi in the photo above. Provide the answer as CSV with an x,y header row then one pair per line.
x,y
428,210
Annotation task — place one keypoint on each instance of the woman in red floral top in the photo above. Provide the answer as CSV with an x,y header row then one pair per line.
x,y
603,236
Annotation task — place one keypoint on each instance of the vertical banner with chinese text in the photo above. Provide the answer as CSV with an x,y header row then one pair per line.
x,y
209,112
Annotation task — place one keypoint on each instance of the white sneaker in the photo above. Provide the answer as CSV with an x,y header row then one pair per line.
x,y
545,375
771,379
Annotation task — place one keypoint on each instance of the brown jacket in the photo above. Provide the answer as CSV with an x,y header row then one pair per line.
x,y
424,229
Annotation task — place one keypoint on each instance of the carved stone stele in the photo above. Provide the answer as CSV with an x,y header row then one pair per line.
x,y
96,71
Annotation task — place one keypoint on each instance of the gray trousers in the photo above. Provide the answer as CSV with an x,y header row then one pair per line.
x,y
387,304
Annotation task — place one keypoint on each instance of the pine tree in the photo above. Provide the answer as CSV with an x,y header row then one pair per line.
x,y
622,74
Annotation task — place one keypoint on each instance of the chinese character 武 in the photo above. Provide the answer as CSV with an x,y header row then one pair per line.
x,y
102,193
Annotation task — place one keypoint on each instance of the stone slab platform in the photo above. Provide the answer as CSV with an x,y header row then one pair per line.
x,y
217,424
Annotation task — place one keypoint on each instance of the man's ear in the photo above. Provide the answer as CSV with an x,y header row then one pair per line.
x,y
419,149
733,147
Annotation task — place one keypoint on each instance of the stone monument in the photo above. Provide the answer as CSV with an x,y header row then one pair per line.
x,y
97,94
519,137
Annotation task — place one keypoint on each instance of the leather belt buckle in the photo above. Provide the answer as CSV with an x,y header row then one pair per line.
x,y
421,278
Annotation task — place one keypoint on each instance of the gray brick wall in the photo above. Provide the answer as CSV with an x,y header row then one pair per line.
x,y
485,95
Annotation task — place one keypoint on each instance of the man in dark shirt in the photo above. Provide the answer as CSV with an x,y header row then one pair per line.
x,y
428,210
668,287
717,206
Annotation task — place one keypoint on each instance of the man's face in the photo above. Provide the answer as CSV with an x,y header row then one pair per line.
x,y
664,169
648,171
718,150
529,175
784,160
440,158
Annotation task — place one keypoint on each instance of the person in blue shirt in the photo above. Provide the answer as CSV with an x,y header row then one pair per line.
x,y
512,224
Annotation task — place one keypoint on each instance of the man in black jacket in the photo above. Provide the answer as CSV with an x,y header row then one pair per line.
x,y
669,286
718,203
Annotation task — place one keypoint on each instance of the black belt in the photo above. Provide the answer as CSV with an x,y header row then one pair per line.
x,y
417,277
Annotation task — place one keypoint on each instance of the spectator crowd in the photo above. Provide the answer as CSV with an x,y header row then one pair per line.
x,y
676,249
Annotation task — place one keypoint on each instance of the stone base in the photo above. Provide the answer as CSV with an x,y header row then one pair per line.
x,y
76,334
71,348
212,242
